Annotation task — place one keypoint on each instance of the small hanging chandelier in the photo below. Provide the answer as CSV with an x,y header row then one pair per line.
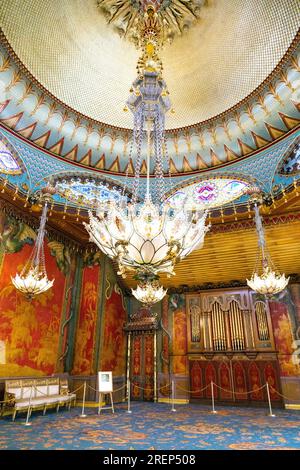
x,y
265,278
149,292
33,279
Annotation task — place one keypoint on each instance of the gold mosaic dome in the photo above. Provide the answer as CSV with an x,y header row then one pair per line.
x,y
71,50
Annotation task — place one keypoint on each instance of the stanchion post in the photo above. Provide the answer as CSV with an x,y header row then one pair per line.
x,y
269,400
27,423
212,398
173,396
128,397
83,415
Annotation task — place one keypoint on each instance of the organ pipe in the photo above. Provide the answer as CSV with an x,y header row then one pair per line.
x,y
262,321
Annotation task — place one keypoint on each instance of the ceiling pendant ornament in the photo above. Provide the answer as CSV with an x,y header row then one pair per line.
x,y
265,279
149,293
130,18
142,232
33,279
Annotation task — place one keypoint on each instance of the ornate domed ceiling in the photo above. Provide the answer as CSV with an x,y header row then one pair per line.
x,y
81,60
233,76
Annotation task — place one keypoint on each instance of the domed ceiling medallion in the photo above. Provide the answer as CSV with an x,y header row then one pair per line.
x,y
173,17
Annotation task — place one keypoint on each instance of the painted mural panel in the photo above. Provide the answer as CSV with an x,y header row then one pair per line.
x,y
113,353
149,366
180,365
239,378
283,339
255,383
270,377
165,336
179,326
85,333
29,330
210,376
196,380
136,367
225,382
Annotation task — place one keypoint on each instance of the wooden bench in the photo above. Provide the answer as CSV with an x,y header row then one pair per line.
x,y
42,393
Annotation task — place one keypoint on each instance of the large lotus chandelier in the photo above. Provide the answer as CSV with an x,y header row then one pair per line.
x,y
33,278
265,279
142,232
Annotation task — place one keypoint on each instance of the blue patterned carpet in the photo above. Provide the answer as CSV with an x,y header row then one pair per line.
x,y
152,426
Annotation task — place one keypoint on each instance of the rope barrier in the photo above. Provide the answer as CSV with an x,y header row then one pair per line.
x,y
76,389
239,393
234,392
142,388
92,388
118,389
47,395
150,389
114,391
283,396
165,386
171,397
191,391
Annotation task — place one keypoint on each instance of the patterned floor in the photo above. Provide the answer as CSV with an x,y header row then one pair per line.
x,y
154,426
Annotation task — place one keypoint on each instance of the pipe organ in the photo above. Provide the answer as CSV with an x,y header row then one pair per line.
x,y
230,341
228,321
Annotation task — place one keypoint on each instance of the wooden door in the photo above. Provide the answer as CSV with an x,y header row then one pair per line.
x,y
142,367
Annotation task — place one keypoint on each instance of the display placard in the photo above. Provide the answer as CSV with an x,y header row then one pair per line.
x,y
105,382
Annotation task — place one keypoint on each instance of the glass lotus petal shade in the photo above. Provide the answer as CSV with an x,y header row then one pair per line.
x,y
33,279
149,293
147,233
268,283
32,284
265,278
146,237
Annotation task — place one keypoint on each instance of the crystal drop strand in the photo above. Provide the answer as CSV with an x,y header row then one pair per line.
x,y
155,186
126,185
158,156
157,162
139,131
161,160
40,238
167,160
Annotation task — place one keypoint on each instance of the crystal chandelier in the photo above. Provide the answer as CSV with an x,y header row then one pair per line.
x,y
143,232
149,293
33,278
265,278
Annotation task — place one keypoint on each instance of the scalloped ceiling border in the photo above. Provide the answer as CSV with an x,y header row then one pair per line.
x,y
292,48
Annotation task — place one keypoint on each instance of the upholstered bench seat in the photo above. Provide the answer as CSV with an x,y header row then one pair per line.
x,y
25,403
27,394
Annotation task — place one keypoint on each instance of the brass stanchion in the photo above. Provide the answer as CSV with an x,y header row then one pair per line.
x,y
269,400
212,398
155,368
83,415
27,423
173,396
128,397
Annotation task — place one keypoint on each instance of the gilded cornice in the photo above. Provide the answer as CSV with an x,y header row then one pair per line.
x,y
195,289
